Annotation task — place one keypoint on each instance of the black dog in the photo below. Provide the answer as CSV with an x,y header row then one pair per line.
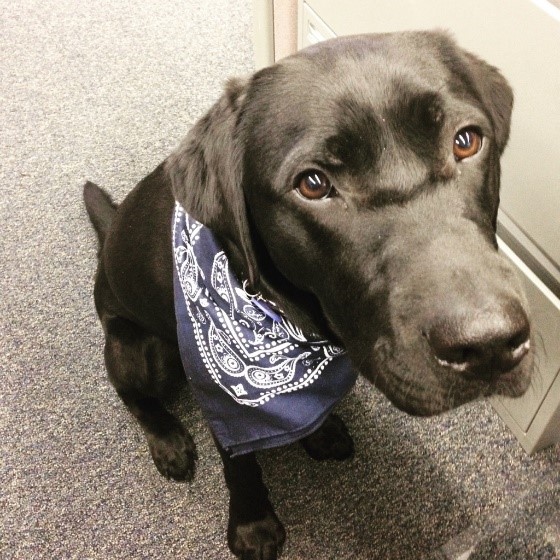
x,y
356,185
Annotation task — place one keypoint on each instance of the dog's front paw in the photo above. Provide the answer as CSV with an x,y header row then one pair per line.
x,y
331,441
174,453
257,540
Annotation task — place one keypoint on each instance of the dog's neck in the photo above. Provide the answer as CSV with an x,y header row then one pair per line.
x,y
300,307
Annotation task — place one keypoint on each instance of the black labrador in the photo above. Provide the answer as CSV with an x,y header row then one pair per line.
x,y
356,185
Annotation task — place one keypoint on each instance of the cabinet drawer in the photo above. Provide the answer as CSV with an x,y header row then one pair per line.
x,y
535,418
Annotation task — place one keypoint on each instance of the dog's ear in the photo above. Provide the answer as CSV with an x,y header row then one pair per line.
x,y
496,95
206,176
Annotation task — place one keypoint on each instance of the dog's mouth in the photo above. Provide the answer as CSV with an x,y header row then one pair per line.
x,y
424,387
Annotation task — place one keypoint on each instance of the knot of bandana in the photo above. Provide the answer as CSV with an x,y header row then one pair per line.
x,y
259,380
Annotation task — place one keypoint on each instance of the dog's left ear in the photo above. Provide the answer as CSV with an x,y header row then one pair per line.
x,y
206,177
496,95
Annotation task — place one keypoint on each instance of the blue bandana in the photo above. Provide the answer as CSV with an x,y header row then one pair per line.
x,y
260,381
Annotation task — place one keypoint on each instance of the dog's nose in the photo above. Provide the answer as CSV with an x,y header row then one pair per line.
x,y
483,345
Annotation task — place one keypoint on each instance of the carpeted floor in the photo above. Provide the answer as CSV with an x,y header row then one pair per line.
x,y
104,90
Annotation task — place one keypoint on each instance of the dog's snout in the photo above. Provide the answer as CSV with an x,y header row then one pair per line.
x,y
484,345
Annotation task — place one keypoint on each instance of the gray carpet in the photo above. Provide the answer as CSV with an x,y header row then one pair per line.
x,y
104,90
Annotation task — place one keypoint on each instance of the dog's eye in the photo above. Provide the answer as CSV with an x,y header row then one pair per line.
x,y
468,142
314,185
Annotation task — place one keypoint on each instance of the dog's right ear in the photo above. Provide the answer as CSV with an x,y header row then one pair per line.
x,y
496,94
206,176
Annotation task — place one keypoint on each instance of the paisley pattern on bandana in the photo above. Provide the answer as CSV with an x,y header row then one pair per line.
x,y
243,346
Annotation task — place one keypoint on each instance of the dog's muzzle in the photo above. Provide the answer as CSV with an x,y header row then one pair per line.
x,y
481,345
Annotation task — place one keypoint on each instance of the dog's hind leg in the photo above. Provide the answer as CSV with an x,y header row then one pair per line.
x,y
254,530
331,440
144,369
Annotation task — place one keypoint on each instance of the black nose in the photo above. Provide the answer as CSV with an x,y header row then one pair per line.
x,y
481,344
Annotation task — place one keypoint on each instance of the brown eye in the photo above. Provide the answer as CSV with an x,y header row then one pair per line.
x,y
467,143
314,185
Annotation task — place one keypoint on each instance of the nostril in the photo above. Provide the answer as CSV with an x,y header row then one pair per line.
x,y
520,339
522,349
459,357
508,356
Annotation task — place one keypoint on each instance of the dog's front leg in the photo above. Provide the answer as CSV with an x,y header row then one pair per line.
x,y
254,530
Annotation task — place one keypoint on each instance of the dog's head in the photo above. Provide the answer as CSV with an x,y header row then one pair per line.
x,y
357,184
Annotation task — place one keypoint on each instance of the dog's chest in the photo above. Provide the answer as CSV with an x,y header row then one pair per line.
x,y
260,381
